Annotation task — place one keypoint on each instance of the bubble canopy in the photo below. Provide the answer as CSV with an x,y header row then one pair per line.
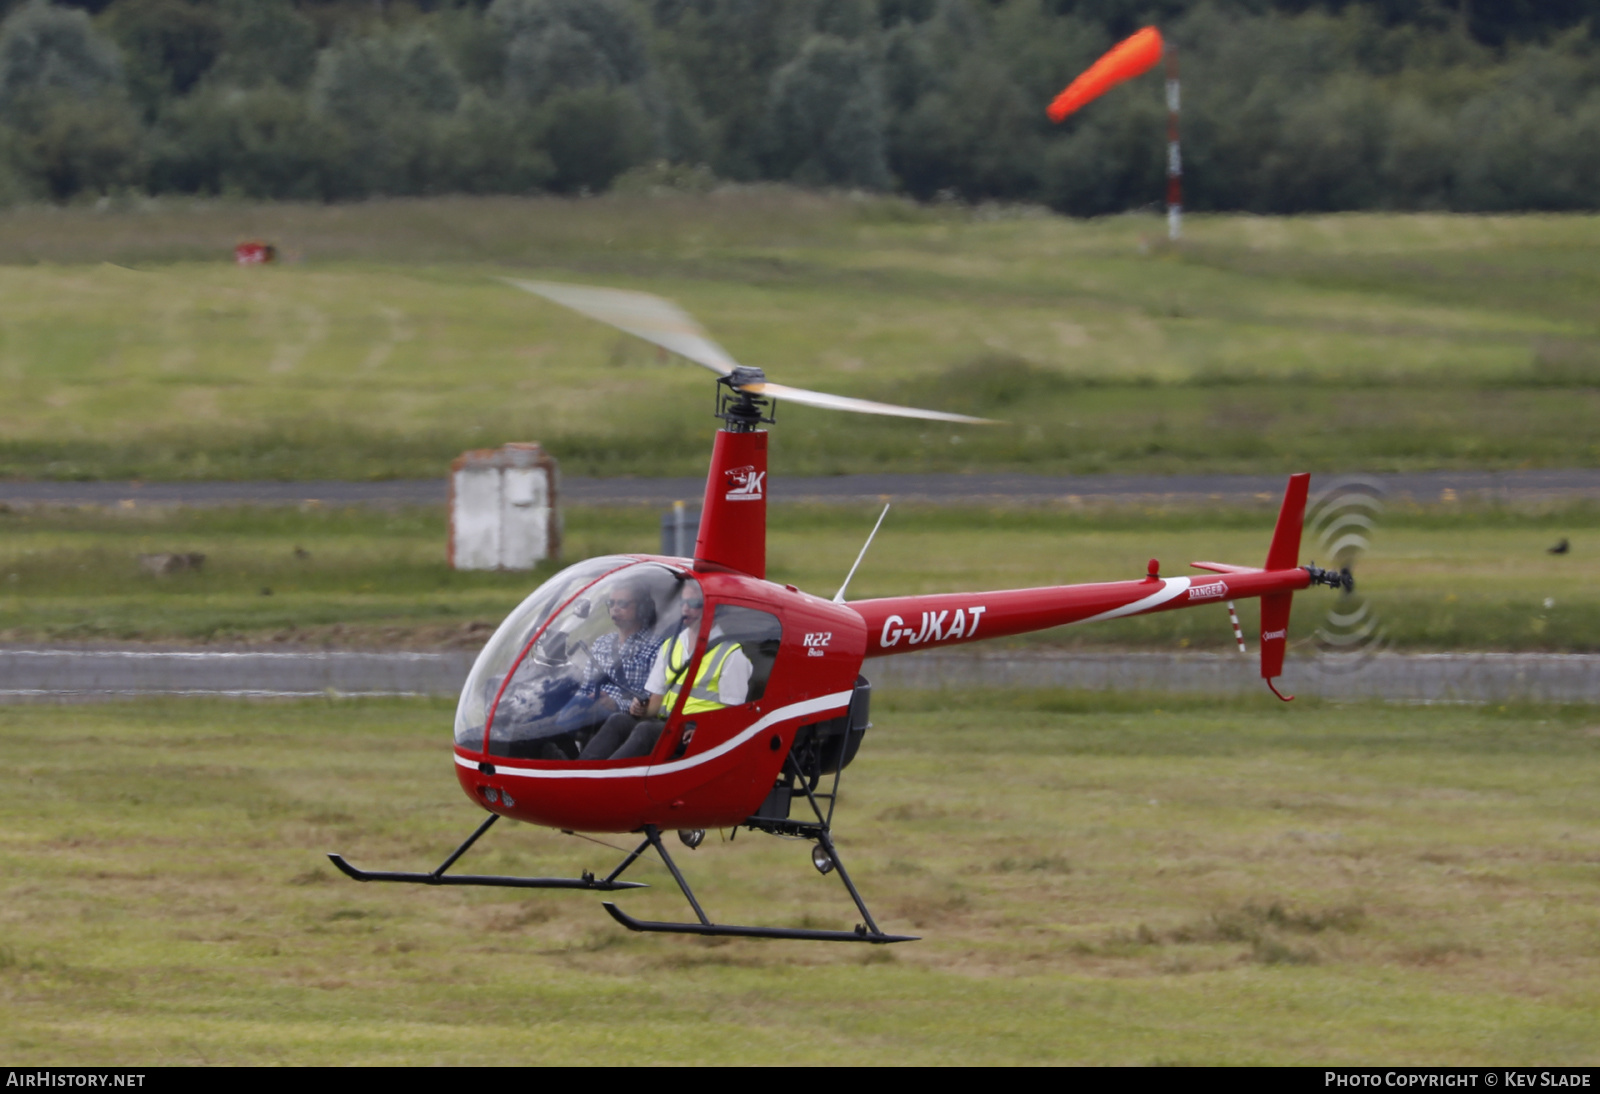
x,y
575,651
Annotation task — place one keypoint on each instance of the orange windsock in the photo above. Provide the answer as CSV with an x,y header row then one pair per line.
x,y
1128,58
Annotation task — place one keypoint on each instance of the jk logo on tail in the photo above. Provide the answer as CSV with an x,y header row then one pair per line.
x,y
746,484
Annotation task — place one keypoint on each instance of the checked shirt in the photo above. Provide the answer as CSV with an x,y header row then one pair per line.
x,y
628,666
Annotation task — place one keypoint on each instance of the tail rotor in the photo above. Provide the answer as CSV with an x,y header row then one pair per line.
x,y
1343,519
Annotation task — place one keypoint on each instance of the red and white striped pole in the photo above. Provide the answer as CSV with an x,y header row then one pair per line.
x,y
1174,159
1238,632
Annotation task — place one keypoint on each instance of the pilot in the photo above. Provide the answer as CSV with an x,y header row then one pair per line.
x,y
723,681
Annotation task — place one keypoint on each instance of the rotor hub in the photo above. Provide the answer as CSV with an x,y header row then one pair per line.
x,y
745,411
1334,579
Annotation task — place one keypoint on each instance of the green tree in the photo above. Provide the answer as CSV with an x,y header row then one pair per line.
x,y
368,80
1519,149
265,41
47,51
725,53
593,135
492,147
386,101
964,126
582,71
1418,166
17,184
75,146
826,116
568,45
256,142
167,46
63,100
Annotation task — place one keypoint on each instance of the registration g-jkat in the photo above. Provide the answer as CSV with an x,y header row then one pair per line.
x,y
772,762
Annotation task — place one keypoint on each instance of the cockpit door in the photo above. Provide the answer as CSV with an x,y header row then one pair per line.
x,y
728,684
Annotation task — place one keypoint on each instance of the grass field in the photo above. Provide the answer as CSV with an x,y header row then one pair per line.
x,y
1440,578
1097,880
131,347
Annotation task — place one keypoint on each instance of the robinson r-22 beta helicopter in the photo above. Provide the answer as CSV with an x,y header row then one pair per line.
x,y
525,729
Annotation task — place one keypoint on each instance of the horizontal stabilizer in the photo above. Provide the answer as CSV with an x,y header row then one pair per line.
x,y
1226,568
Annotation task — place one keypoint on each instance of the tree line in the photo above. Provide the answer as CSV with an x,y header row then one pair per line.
x,y
1288,105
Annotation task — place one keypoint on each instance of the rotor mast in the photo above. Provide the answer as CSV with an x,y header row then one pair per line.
x,y
733,522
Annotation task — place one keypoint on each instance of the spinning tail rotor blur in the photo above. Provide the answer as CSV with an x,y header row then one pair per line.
x,y
1343,519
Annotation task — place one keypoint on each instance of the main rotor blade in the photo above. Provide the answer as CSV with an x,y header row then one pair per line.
x,y
663,323
859,406
657,321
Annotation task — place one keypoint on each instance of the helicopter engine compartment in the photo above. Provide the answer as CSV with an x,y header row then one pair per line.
x,y
824,748
819,749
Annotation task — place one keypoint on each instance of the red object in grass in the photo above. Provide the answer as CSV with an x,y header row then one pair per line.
x,y
253,252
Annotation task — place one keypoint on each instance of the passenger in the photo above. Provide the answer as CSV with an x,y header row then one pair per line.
x,y
619,666
723,681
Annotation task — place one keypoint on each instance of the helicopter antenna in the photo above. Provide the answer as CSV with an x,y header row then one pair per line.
x,y
838,597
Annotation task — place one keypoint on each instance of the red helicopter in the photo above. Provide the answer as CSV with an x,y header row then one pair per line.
x,y
640,693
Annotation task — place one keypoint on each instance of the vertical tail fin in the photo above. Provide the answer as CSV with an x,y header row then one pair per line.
x,y
1274,633
1283,554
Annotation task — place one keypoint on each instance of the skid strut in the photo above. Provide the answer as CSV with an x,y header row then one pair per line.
x,y
865,932
439,877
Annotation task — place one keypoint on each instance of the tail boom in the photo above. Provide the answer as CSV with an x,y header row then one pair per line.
x,y
906,624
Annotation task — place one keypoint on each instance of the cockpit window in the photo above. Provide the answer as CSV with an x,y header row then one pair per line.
x,y
592,660
758,634
498,656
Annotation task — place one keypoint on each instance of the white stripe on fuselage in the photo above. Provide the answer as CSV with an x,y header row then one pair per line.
x,y
1171,587
820,705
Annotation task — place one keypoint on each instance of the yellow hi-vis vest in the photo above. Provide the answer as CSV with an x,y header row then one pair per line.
x,y
703,693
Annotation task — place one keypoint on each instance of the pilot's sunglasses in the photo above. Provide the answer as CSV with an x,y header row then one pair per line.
x,y
619,602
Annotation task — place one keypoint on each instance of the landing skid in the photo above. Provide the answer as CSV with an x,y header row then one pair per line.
x,y
439,877
860,934
867,931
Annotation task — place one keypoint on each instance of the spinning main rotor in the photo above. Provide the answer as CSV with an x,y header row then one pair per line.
x,y
662,323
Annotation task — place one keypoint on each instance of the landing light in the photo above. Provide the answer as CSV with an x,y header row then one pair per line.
x,y
821,859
